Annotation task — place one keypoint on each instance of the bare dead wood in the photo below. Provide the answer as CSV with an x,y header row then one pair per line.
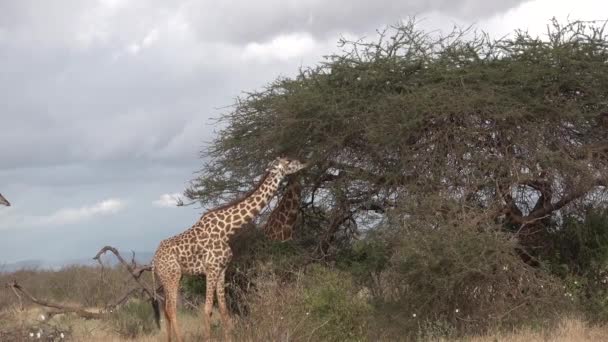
x,y
80,311
136,271
21,308
133,269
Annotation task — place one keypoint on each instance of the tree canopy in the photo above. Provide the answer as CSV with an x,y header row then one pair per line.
x,y
457,127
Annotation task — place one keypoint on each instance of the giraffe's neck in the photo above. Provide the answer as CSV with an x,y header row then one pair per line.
x,y
246,210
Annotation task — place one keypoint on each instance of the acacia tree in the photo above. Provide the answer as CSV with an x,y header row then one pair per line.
x,y
458,127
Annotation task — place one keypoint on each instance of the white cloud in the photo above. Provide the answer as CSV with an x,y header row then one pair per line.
x,y
282,47
133,48
113,4
167,200
150,38
75,215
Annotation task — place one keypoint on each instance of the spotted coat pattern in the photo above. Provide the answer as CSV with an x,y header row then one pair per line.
x,y
282,220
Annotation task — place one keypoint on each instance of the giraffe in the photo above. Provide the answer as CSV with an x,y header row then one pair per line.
x,y
282,219
204,248
4,201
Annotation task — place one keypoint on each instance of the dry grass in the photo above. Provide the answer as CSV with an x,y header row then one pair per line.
x,y
567,330
21,323
276,312
29,320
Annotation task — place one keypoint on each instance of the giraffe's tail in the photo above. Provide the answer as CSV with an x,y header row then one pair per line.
x,y
155,301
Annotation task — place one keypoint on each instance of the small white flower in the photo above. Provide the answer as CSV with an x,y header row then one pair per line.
x,y
42,318
308,313
505,268
457,310
38,334
414,315
575,282
31,334
61,335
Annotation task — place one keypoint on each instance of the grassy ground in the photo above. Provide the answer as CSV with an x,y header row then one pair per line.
x,y
277,312
29,322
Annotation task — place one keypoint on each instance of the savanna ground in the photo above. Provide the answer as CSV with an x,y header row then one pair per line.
x,y
457,190
273,316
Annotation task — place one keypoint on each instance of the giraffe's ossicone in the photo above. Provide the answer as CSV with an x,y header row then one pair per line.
x,y
204,248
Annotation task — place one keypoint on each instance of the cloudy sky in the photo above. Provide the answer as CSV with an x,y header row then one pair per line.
x,y
105,104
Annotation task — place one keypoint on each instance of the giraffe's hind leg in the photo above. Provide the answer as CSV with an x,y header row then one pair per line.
x,y
211,280
170,277
221,300
168,319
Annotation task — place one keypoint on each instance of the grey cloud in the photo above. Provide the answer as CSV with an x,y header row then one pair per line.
x,y
112,99
235,21
84,80
246,21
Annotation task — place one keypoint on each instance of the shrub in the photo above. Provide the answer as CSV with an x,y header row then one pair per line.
x,y
318,304
364,260
465,280
579,255
331,299
133,319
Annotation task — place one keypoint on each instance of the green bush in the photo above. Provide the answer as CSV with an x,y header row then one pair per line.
x,y
337,312
580,244
133,319
193,288
465,280
364,260
579,255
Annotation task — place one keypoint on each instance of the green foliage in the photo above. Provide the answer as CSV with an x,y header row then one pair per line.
x,y
134,319
580,257
330,298
193,288
466,279
364,260
440,142
580,245
513,126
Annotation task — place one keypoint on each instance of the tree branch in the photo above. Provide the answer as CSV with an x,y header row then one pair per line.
x,y
80,311
132,268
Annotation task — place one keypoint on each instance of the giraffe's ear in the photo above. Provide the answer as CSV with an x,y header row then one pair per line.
x,y
272,164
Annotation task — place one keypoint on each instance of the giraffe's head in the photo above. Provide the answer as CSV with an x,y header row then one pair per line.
x,y
285,166
3,201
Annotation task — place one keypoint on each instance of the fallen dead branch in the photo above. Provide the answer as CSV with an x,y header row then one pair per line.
x,y
134,270
80,311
